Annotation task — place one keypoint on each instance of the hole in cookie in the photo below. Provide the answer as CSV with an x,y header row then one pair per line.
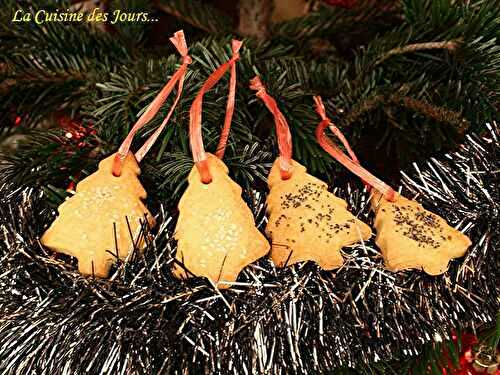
x,y
285,175
206,180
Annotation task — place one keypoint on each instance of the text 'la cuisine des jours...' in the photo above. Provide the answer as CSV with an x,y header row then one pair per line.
x,y
43,16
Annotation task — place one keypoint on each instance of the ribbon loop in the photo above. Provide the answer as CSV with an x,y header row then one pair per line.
x,y
179,41
224,136
282,129
195,114
321,111
352,162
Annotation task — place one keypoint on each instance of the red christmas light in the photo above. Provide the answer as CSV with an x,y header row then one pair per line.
x,y
466,359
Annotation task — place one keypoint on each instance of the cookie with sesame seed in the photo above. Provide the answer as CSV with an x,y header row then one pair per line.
x,y
216,233
103,220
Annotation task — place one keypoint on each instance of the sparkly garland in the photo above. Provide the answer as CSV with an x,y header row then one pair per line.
x,y
298,319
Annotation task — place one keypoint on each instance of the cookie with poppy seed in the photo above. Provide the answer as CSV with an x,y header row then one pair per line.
x,y
409,236
307,222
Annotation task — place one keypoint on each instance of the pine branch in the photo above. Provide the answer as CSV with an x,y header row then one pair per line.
x,y
326,21
120,100
42,158
196,13
450,45
56,74
251,165
132,34
458,88
424,97
439,114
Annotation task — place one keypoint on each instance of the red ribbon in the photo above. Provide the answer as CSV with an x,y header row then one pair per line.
x,y
282,130
179,41
352,162
195,137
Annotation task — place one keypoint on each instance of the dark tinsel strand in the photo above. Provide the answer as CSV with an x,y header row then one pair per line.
x,y
295,320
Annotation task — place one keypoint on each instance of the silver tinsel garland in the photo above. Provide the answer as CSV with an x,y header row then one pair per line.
x,y
295,320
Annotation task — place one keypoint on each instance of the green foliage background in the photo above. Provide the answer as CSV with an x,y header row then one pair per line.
x,y
397,98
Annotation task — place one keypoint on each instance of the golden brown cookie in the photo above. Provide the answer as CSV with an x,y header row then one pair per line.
x,y
411,237
85,225
216,231
307,222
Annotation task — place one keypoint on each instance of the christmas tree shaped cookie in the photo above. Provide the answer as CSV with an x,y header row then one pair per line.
x,y
411,237
408,235
103,220
216,232
307,222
